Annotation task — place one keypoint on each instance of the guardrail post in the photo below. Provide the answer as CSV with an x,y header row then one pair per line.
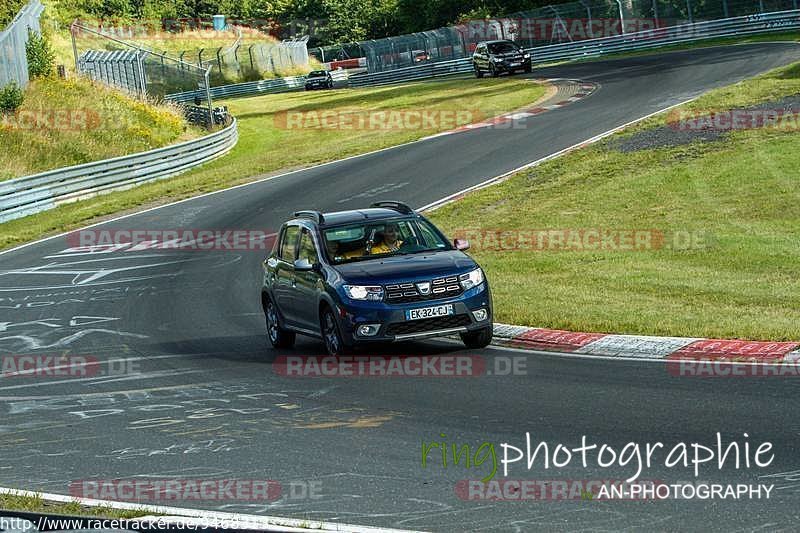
x,y
200,58
688,10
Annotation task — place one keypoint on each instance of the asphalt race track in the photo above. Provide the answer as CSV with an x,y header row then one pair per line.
x,y
206,402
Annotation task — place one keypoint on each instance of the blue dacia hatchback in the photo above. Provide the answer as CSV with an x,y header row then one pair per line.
x,y
384,273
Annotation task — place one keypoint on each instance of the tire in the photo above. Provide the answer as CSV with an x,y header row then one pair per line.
x,y
477,339
493,70
279,337
478,72
331,335
527,69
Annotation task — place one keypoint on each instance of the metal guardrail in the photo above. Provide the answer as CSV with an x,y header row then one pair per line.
x,y
631,42
31,194
277,85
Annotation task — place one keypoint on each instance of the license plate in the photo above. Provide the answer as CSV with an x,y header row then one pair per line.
x,y
429,312
515,64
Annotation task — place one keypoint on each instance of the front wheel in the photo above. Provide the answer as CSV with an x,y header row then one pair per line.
x,y
493,70
279,337
477,339
527,69
331,335
478,72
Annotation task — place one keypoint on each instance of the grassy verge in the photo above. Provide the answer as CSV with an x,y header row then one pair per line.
x,y
266,147
738,196
36,504
704,43
69,122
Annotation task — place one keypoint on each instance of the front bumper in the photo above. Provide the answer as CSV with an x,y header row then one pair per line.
x,y
395,327
317,85
509,65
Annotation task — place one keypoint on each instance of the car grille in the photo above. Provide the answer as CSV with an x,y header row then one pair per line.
x,y
427,324
408,292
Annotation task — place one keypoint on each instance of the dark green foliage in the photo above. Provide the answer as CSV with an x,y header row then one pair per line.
x,y
40,55
11,97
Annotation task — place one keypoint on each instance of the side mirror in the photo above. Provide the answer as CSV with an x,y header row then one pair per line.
x,y
461,244
303,265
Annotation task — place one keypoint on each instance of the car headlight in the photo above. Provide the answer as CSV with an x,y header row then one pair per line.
x,y
496,60
526,56
364,292
471,279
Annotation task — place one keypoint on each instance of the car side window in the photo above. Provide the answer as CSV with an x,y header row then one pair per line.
x,y
307,249
431,240
289,243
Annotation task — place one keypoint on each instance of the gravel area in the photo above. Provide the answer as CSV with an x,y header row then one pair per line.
x,y
682,133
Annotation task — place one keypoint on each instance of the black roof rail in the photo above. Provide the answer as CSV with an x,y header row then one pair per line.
x,y
397,206
316,216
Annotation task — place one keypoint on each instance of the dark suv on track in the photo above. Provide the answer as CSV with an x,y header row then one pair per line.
x,y
494,57
384,273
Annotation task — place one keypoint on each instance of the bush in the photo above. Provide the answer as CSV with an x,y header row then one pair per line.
x,y
11,97
41,57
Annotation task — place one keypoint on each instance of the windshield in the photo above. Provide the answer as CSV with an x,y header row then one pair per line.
x,y
318,74
503,48
367,240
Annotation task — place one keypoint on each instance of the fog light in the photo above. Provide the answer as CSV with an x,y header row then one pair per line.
x,y
480,315
368,330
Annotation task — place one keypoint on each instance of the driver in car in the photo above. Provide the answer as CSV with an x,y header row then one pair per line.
x,y
390,242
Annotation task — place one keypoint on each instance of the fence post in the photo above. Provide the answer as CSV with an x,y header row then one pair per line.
x,y
688,11
208,99
219,60
589,16
142,79
725,8
72,30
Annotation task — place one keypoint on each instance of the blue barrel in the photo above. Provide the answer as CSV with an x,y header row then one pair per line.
x,y
219,22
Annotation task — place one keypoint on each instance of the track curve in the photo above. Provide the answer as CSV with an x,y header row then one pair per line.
x,y
206,402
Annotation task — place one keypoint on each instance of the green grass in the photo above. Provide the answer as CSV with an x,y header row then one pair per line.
x,y
265,148
740,195
69,122
37,504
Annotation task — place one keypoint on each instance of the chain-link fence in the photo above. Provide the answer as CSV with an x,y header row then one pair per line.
x,y
249,62
139,71
13,62
574,21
